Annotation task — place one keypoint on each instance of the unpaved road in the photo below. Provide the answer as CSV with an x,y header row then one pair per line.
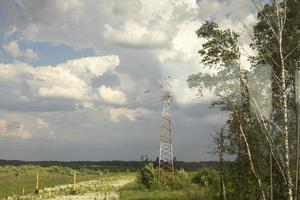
x,y
102,189
110,193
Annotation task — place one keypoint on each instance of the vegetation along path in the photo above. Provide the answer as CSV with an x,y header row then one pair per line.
x,y
103,188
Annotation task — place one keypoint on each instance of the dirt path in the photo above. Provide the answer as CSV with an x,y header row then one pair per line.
x,y
109,191
102,189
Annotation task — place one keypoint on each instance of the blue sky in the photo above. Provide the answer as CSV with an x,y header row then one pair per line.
x,y
73,76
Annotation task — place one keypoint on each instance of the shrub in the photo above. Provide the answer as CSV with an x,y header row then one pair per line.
x,y
210,180
61,170
16,172
182,179
207,177
147,176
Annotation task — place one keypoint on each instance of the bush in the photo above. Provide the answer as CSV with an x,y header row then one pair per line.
x,y
61,170
16,172
210,180
147,176
182,179
207,178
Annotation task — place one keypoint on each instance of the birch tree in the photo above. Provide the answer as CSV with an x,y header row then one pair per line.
x,y
229,83
276,40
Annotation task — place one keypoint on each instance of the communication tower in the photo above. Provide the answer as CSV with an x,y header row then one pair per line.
x,y
166,159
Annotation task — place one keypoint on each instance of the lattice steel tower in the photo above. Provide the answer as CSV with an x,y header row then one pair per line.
x,y
166,159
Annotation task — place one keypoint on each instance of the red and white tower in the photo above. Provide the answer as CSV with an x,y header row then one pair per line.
x,y
166,159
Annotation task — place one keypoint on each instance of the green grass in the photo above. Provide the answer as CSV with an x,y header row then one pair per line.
x,y
133,191
14,179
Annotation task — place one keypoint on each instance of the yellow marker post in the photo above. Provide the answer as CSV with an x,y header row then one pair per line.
x,y
37,183
75,187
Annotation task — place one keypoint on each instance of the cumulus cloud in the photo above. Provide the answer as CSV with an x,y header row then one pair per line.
x,y
89,67
3,124
13,127
29,53
116,114
40,123
63,92
70,5
184,45
153,38
165,29
13,49
136,36
185,95
113,96
122,7
69,80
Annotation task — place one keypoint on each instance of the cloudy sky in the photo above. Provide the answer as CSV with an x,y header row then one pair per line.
x,y
73,76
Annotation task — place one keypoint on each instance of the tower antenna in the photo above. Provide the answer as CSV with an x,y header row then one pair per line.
x,y
166,159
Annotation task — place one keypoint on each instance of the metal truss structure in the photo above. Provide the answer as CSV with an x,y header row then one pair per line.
x,y
166,158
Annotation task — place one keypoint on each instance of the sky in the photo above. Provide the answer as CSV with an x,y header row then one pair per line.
x,y
73,76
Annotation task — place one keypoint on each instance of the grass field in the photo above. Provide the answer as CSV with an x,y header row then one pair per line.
x,y
14,179
56,183
133,191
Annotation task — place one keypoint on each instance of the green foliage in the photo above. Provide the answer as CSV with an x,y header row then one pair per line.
x,y
182,179
147,176
14,179
207,178
237,89
221,46
133,191
61,170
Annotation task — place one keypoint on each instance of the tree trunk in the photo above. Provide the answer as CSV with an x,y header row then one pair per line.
x,y
297,82
249,154
285,121
259,182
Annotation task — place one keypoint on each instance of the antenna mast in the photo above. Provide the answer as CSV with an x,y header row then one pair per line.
x,y
166,159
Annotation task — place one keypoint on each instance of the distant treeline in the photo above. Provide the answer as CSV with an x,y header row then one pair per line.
x,y
115,165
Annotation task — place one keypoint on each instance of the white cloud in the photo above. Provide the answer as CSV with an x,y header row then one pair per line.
x,y
134,35
64,92
163,30
116,114
89,67
184,45
113,96
3,124
69,80
185,95
167,26
122,7
13,49
69,5
126,82
29,53
40,123
14,126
